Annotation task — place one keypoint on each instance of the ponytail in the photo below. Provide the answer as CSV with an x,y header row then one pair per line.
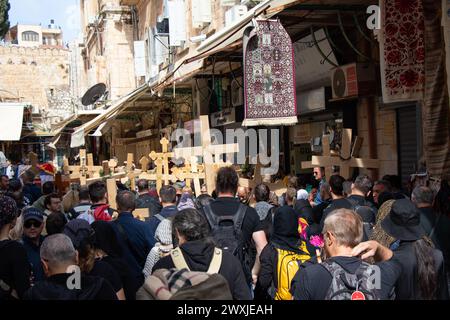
x,y
426,268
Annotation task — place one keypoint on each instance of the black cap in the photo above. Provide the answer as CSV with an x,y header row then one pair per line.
x,y
403,221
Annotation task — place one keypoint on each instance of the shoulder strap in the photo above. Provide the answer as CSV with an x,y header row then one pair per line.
x,y
178,259
159,217
238,218
216,261
127,240
210,216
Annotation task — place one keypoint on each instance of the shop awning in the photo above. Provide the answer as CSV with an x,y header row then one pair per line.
x,y
77,139
226,38
11,120
82,115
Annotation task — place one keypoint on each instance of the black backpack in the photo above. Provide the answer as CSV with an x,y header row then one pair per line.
x,y
364,211
229,237
344,284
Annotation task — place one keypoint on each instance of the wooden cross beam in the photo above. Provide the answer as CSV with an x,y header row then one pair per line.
x,y
211,153
130,171
144,161
85,170
344,160
191,171
111,189
162,162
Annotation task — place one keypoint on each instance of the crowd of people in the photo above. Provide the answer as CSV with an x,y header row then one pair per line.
x,y
334,239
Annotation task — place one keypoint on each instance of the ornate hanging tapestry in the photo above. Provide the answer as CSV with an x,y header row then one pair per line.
x,y
402,50
269,82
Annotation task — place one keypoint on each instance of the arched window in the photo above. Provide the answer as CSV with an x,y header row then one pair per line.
x,y
30,36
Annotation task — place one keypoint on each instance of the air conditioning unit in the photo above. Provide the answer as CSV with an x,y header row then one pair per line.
x,y
233,14
237,93
35,109
201,13
353,80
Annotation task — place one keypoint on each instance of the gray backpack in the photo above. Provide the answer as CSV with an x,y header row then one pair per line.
x,y
345,284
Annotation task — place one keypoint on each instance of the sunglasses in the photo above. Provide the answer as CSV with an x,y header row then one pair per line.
x,y
28,224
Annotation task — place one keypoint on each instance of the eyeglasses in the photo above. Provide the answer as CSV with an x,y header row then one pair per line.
x,y
28,224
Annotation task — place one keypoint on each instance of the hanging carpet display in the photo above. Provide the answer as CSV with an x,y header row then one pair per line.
x,y
402,50
269,82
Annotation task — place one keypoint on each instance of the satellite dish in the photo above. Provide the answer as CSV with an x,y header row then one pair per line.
x,y
339,83
93,94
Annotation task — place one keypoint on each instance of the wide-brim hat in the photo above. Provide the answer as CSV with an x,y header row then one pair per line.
x,y
403,221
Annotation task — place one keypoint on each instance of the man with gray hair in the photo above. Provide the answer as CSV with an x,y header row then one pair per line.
x,y
436,226
343,230
64,279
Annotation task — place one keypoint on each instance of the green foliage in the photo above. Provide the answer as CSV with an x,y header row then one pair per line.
x,y
4,17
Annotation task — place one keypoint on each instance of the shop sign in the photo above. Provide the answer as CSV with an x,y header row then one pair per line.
x,y
223,117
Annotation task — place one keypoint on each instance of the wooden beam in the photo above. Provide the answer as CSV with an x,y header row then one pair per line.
x,y
112,192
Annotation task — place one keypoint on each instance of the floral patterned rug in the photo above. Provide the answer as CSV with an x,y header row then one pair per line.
x,y
402,50
269,82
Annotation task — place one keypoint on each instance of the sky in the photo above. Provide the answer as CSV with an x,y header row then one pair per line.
x,y
64,12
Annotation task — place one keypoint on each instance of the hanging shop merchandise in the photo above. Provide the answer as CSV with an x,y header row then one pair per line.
x,y
269,69
402,50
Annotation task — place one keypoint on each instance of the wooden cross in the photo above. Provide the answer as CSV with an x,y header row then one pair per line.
x,y
130,171
111,188
161,160
211,153
84,170
278,187
191,171
144,163
34,163
345,159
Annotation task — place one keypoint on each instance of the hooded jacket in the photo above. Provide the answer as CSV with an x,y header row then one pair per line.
x,y
55,288
198,256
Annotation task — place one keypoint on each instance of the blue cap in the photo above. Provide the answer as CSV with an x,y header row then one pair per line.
x,y
32,213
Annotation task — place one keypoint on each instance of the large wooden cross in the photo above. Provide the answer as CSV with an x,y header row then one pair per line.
x,y
191,171
161,161
86,169
345,159
211,153
277,187
34,162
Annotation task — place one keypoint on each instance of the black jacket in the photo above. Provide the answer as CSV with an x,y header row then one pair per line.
x,y
407,287
147,201
268,273
55,288
198,256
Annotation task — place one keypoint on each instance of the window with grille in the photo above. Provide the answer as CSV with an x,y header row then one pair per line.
x,y
30,36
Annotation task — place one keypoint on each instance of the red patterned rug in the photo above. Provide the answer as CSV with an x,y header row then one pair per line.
x,y
402,50
269,83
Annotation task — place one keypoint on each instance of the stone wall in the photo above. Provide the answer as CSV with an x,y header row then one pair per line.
x,y
31,73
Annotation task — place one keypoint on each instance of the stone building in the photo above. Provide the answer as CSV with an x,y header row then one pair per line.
x,y
108,36
195,48
35,71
